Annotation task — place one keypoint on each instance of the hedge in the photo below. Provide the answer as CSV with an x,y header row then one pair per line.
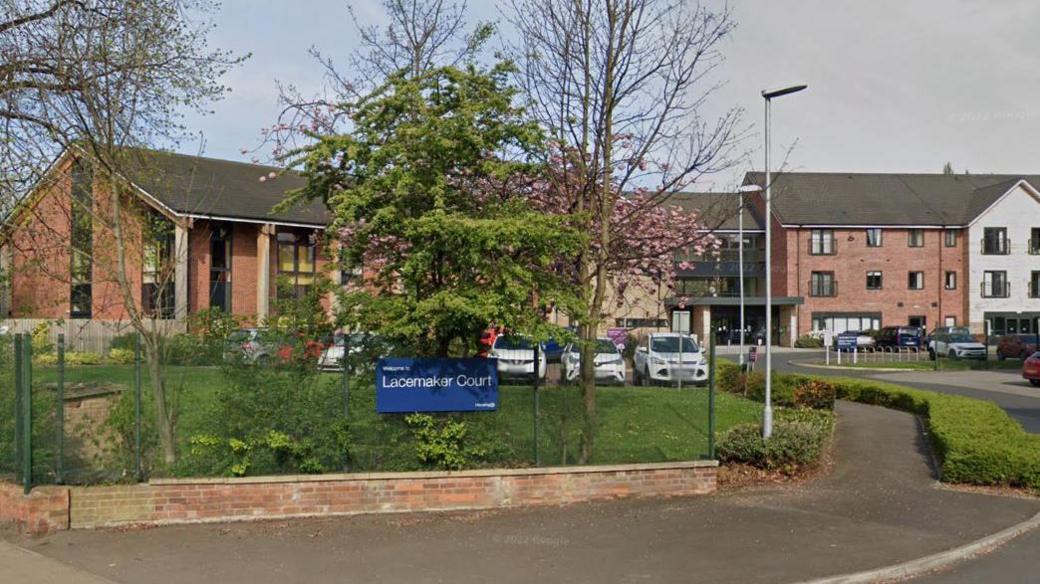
x,y
975,440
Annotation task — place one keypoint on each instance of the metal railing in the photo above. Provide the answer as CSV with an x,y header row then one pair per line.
x,y
823,288
823,246
996,290
996,246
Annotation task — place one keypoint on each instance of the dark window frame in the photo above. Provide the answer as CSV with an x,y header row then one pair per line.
x,y
950,238
878,241
297,240
946,280
995,241
828,243
911,281
880,279
915,237
81,237
822,284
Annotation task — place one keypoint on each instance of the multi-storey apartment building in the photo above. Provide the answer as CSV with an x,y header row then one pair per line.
x,y
870,250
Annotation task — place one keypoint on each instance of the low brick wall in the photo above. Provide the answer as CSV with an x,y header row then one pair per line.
x,y
170,501
44,509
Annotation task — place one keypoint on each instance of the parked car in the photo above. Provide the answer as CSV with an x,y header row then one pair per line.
x,y
955,343
669,357
1031,369
553,350
899,336
1016,346
363,349
515,355
252,345
863,340
610,365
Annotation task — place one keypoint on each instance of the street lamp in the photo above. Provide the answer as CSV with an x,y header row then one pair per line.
x,y
740,254
767,412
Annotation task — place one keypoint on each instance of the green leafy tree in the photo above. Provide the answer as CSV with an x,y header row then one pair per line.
x,y
430,193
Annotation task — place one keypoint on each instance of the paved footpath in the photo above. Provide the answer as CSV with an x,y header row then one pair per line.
x,y
879,506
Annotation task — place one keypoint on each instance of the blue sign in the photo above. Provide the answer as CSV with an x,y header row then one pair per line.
x,y
405,385
847,342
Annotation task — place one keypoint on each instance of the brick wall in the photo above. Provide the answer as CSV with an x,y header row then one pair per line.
x,y
170,501
217,500
45,509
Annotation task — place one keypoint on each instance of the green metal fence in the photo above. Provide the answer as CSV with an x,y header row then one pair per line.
x,y
67,421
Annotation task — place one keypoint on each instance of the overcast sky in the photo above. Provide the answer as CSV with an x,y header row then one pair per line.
x,y
894,85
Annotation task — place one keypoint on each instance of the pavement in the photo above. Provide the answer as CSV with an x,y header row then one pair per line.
x,y
879,505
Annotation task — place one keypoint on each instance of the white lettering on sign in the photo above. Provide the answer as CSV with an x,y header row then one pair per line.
x,y
435,382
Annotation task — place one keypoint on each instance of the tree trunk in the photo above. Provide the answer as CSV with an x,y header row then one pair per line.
x,y
163,414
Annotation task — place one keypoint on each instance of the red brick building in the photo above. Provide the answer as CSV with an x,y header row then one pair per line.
x,y
198,233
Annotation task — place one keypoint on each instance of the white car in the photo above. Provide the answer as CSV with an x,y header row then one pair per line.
x,y
955,343
668,358
610,365
372,344
515,355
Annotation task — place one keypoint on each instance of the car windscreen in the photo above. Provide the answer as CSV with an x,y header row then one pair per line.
x,y
671,345
909,331
606,346
513,343
961,338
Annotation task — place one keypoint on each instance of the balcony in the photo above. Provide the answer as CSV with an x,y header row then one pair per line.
x,y
996,289
823,288
996,246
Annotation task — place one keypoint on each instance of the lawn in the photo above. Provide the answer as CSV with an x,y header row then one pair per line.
x,y
635,424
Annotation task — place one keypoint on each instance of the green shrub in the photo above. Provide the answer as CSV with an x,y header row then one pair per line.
x,y
121,356
74,358
45,358
808,342
268,420
189,350
799,439
442,443
125,341
41,341
814,393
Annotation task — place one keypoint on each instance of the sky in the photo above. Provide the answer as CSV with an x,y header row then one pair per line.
x,y
894,85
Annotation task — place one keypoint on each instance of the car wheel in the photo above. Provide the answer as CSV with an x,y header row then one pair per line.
x,y
931,354
1035,382
1000,356
953,354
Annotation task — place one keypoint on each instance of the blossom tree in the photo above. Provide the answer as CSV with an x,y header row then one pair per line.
x,y
619,86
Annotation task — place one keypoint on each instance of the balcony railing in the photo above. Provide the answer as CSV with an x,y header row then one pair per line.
x,y
823,288
996,246
996,289
823,246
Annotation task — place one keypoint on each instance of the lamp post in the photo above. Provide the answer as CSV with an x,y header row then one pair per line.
x,y
740,255
767,412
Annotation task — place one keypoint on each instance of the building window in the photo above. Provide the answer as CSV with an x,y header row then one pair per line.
x,y
874,237
873,280
823,284
640,323
950,238
821,242
296,261
157,271
81,266
995,241
1034,284
915,281
220,267
995,284
840,322
950,281
917,321
950,321
1034,241
915,237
